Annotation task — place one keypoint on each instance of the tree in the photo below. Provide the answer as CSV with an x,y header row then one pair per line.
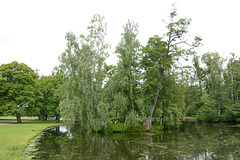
x,y
82,67
214,83
48,104
232,84
194,87
159,54
233,77
198,71
127,73
17,86
207,112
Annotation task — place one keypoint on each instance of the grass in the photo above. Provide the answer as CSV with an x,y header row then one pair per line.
x,y
121,127
190,119
13,119
15,137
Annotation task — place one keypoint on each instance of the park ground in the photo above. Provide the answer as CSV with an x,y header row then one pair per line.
x,y
14,137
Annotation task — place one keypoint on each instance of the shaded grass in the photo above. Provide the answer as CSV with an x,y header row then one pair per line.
x,y
190,119
13,119
121,127
15,137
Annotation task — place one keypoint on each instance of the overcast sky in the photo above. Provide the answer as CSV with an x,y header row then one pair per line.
x,y
33,32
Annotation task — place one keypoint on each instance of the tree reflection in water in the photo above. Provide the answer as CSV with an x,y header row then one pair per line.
x,y
191,141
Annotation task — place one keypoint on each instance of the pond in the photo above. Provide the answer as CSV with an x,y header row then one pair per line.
x,y
190,141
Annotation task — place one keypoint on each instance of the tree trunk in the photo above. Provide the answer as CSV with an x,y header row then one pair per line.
x,y
18,118
148,122
236,98
219,109
232,86
162,118
200,86
41,116
58,118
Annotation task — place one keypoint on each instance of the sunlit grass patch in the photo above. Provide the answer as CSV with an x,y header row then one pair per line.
x,y
15,137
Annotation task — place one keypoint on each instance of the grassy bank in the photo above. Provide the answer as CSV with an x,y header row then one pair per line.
x,y
15,137
123,128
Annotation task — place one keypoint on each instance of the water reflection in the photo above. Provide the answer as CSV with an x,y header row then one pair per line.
x,y
191,141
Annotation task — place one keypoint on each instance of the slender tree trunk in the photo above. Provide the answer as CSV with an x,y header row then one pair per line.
x,y
236,98
200,86
18,118
232,86
162,118
219,106
148,122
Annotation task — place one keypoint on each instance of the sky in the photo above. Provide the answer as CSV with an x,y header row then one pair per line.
x,y
33,32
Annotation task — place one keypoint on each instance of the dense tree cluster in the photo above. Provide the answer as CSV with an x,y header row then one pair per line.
x,y
146,86
212,92
22,92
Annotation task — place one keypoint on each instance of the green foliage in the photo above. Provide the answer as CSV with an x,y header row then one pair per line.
x,y
208,111
121,127
132,119
155,126
17,87
122,88
159,57
147,82
82,68
48,104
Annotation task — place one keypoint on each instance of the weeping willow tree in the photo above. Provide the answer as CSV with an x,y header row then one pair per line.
x,y
82,66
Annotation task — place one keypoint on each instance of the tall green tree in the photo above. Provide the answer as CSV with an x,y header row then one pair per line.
x,y
17,87
214,80
82,67
48,104
194,87
198,72
233,77
127,73
161,53
232,82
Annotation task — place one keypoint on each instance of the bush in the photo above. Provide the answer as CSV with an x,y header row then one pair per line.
x,y
207,114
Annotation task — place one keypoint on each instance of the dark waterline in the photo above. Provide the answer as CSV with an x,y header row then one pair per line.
x,y
190,141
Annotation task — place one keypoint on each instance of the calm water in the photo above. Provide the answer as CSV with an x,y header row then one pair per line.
x,y
191,141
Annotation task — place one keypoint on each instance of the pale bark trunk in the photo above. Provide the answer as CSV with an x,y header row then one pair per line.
x,y
232,87
219,108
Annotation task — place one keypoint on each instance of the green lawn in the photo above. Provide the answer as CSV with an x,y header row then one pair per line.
x,y
13,119
15,137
